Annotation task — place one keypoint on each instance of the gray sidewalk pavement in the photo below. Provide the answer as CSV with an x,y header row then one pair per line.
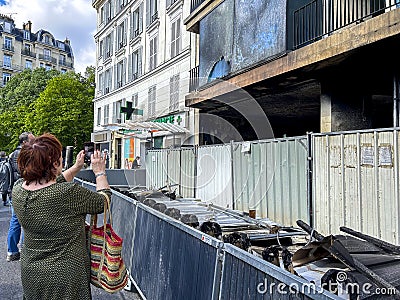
x,y
10,274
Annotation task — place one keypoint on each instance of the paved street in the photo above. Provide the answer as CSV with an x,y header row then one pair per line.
x,y
10,280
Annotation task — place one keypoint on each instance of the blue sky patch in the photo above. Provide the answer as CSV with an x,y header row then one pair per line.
x,y
3,2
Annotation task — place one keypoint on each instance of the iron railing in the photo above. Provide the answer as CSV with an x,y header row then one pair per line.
x,y
193,79
48,58
320,18
28,53
195,4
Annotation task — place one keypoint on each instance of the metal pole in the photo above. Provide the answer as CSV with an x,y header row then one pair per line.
x,y
309,178
395,101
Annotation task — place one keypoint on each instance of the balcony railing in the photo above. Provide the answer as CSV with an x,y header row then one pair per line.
x,y
320,18
8,47
28,53
48,58
64,63
193,79
10,66
195,4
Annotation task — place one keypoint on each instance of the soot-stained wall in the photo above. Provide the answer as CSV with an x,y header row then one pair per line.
x,y
244,32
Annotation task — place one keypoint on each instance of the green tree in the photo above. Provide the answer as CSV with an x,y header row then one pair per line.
x,y
64,109
24,88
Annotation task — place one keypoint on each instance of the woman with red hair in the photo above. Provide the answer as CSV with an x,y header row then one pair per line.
x,y
52,211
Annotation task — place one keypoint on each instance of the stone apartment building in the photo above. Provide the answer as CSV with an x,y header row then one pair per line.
x,y
142,62
23,48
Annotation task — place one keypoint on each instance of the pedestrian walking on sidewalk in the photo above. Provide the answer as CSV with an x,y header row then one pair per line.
x,y
4,194
55,261
14,231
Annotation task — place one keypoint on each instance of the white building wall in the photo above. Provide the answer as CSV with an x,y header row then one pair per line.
x,y
159,76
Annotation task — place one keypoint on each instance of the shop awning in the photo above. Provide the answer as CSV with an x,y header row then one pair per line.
x,y
149,126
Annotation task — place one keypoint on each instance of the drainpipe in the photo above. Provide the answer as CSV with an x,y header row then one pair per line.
x,y
309,178
395,101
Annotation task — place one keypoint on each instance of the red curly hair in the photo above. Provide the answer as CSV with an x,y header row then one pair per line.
x,y
39,157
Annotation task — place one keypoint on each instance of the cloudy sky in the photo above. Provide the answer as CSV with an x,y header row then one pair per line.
x,y
72,19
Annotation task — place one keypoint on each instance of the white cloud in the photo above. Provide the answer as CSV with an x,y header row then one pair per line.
x,y
75,20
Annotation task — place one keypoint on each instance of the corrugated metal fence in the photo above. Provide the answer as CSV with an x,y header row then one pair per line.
x,y
269,177
356,182
354,179
167,259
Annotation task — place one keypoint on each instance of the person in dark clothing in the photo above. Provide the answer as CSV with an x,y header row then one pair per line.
x,y
3,157
136,163
14,232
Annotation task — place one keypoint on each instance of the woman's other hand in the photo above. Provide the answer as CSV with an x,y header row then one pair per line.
x,y
98,162
80,159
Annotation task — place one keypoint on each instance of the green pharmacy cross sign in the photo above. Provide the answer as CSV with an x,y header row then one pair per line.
x,y
129,110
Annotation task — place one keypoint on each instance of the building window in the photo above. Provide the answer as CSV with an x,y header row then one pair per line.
x,y
27,35
108,11
99,116
151,11
137,22
7,61
106,114
176,37
7,28
121,73
63,71
28,64
174,93
27,48
153,53
61,46
6,77
117,112
48,67
46,54
47,39
41,65
135,65
101,84
152,101
121,35
8,43
121,4
63,60
108,47
101,49
102,15
107,81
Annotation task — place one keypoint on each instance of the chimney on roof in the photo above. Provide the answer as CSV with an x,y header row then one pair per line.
x,y
28,26
67,41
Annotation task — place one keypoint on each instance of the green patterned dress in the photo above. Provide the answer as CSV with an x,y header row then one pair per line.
x,y
54,259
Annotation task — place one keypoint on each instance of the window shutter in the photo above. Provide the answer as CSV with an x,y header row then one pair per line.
x,y
125,31
124,71
178,36
141,18
139,59
114,114
130,67
134,62
173,25
148,13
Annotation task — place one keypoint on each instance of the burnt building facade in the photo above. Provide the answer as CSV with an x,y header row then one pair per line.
x,y
278,68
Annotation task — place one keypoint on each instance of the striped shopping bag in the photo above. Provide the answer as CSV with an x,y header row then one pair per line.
x,y
107,269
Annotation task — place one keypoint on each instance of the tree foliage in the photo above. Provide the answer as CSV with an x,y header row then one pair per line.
x,y
64,109
47,101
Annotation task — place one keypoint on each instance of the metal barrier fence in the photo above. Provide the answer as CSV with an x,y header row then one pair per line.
x,y
167,259
245,276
